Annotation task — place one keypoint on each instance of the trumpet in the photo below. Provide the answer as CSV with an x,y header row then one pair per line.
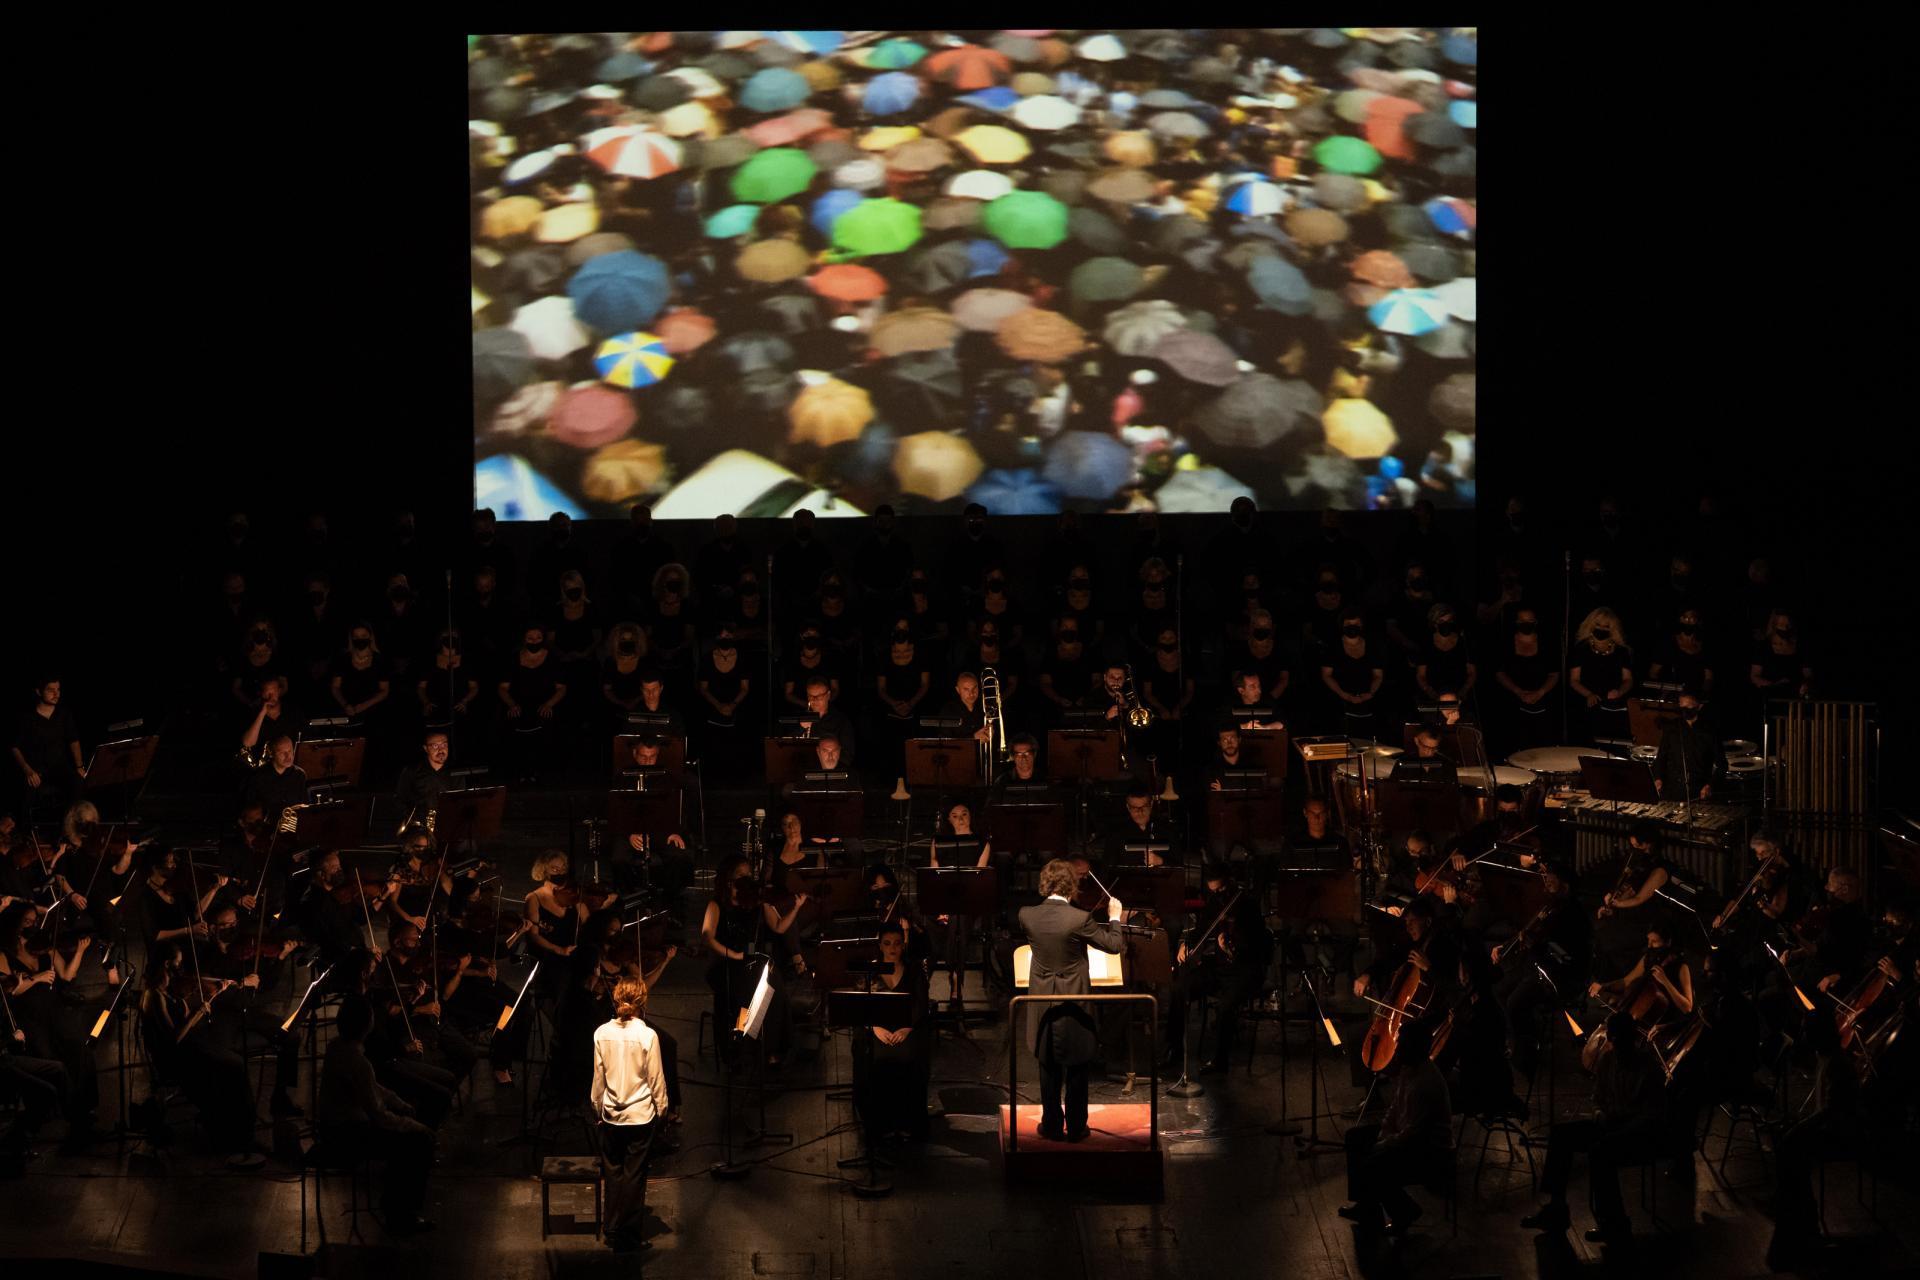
x,y
993,752
1138,715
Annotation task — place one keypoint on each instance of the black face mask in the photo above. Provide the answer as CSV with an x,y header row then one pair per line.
x,y
1603,633
975,528
362,643
397,593
1080,584
918,588
1169,648
832,592
540,647
316,598
629,647
1416,585
809,646
574,593
1688,629
260,637
451,646
1446,630
1352,632
989,640
1594,579
996,587
1689,714
749,590
902,636
1785,633
1263,633
1526,629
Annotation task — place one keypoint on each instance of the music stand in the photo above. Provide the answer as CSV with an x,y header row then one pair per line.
x,y
1265,749
1512,894
832,808
1648,719
839,890
673,754
835,958
1147,848
1084,755
123,762
1621,781
1311,893
653,814
1253,817
958,891
474,814
788,758
856,1011
1411,806
338,758
943,763
651,778
1160,889
337,824
1029,827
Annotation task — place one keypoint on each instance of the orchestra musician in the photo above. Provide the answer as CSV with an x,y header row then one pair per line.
x,y
331,912
1407,1145
1316,839
555,910
653,702
1690,754
279,784
1661,980
1062,1036
883,887
40,1000
1137,825
1546,966
358,1113
1776,894
730,931
240,1020
1642,874
1247,706
471,999
1424,945
1228,959
424,780
1023,769
965,706
393,1045
1226,757
1826,950
417,978
891,1067
182,1051
957,824
274,718
47,750
822,720
1109,697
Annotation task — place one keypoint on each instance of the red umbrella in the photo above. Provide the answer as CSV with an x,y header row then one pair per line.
x,y
1384,118
969,67
790,128
848,282
683,329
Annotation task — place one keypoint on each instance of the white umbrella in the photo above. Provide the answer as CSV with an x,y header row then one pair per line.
x,y
1044,111
863,174
980,184
1408,311
1460,297
700,82
1101,48
630,151
531,165
550,329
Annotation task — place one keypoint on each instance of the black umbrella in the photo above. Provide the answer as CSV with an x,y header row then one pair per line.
x,y
922,387
793,313
936,268
1410,54
534,272
768,390
659,93
755,350
1259,411
1432,130
726,65
1170,234
1431,263
502,364
1097,231
676,405
1406,222
1458,163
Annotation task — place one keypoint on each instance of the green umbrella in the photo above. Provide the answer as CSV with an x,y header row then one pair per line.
x,y
773,175
877,226
1343,154
1105,280
1026,220
734,220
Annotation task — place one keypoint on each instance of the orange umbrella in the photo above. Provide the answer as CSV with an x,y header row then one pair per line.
x,y
846,282
1380,268
1038,334
969,67
769,261
914,329
922,155
624,470
1384,118
828,413
1122,186
792,127
513,216
1055,53
1315,227
683,329
935,465
1133,149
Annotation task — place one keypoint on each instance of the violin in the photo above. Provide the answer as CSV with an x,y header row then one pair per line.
x,y
1407,997
1648,1004
1865,994
1772,890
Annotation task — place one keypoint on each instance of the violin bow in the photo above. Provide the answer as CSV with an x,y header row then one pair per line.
x,y
193,939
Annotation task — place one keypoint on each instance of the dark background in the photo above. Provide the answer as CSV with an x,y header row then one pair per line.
x,y
278,321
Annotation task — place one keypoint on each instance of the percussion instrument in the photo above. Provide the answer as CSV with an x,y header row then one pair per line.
x,y
1703,845
1477,803
1552,760
1645,754
1738,747
1358,803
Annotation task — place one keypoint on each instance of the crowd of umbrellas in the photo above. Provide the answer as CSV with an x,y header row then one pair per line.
x,y
750,271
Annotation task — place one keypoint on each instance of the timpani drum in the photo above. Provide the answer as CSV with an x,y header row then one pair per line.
x,y
1357,803
1477,798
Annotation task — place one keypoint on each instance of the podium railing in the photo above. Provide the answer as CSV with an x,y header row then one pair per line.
x,y
1014,1041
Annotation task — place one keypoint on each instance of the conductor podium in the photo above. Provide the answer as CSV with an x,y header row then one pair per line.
x,y
1121,1153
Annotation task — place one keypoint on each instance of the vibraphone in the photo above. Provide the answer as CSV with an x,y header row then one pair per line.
x,y
1704,848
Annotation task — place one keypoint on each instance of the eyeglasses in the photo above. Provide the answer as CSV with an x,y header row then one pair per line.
x,y
1023,755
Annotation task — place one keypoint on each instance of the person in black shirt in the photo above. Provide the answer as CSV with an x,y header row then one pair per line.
x,y
967,558
1600,671
1153,611
1547,966
1261,656
530,689
273,718
997,606
811,659
622,673
1077,602
361,678
1067,674
1247,706
1167,690
424,781
799,563
401,630
556,556
1136,824
446,685
900,686
278,784
1443,664
47,749
823,718
639,554
1829,952
965,706
1528,678
1691,760
653,702
884,560
1230,961
1353,675
259,661
1409,622
1683,659
1024,771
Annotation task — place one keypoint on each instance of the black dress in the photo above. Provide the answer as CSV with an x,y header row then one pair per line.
x,y
890,1081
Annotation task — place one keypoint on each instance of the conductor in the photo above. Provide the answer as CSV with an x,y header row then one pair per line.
x,y
1063,1037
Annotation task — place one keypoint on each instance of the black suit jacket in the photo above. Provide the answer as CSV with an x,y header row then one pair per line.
x,y
1060,934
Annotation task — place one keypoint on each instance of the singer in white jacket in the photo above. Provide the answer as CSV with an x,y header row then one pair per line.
x,y
629,1097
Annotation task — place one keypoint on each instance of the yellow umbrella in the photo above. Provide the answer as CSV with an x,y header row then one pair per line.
x,y
914,329
688,120
1038,334
623,471
769,261
480,300
567,223
820,76
1358,429
513,216
994,144
1132,148
887,138
935,465
829,413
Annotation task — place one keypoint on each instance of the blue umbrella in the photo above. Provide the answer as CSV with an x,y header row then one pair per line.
x,y
1461,51
891,93
622,67
508,483
1122,103
1465,112
809,41
1015,493
1084,465
998,98
985,258
619,291
775,89
734,220
828,208
1279,285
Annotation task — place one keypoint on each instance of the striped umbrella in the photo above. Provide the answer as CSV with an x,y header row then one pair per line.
x,y
632,360
1257,198
1409,311
1452,216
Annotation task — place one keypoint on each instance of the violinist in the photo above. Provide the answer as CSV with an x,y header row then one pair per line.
x,y
1545,966
183,1050
1629,1099
1659,987
331,913
1420,868
1228,958
1642,874
241,1019
891,1066
555,910
424,780
729,931
471,999
1470,1044
1427,948
958,825
421,881
393,1043
883,886
38,999
1827,951
417,972
279,784
1776,892
173,912
357,1113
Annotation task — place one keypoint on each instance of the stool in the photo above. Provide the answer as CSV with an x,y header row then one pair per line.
x,y
568,1170
1503,1125
1735,1114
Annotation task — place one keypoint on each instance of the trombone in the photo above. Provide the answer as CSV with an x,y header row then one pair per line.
x,y
1137,713
993,752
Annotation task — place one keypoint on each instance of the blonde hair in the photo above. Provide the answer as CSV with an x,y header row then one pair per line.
x,y
548,865
629,997
1602,618
621,632
573,578
81,814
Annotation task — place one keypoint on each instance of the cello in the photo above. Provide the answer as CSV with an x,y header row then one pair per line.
x,y
1407,997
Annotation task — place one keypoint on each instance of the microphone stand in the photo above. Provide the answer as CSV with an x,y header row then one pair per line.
x,y
1309,1142
1184,1087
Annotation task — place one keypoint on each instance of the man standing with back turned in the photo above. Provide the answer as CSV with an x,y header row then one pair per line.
x,y
1062,1036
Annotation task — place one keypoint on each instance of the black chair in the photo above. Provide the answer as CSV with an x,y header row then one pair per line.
x,y
320,1159
1514,1135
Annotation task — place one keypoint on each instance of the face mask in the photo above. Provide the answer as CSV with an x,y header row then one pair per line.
x,y
397,593
975,528
362,643
749,590
919,587
1688,629
1785,633
1351,631
1263,633
1690,714
628,646
574,593
1525,629
451,646
316,598
902,636
1416,585
809,645
1446,630
1602,633
537,647
1595,579
1169,648
1080,584
260,637
989,640
834,592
